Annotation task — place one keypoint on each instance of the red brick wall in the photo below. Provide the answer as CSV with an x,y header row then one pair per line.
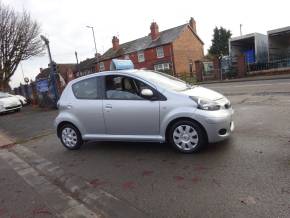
x,y
187,49
150,58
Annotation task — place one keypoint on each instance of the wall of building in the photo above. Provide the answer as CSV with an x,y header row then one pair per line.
x,y
261,48
186,49
150,58
279,46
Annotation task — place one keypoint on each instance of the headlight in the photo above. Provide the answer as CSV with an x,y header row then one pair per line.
x,y
205,104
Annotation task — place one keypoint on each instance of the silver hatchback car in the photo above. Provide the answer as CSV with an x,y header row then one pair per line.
x,y
139,105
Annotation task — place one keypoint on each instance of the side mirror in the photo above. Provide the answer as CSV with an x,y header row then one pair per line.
x,y
147,93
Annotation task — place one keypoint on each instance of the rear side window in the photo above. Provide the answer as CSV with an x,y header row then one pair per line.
x,y
86,89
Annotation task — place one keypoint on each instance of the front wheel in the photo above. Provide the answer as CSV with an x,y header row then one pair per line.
x,y
70,137
187,136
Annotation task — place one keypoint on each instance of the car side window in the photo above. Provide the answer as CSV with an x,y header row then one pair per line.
x,y
86,89
123,88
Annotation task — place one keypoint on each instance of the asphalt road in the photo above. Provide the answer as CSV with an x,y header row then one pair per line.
x,y
245,176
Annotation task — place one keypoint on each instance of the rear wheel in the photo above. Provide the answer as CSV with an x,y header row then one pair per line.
x,y
70,137
187,136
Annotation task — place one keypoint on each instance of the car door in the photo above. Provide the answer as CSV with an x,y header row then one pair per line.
x,y
87,106
126,112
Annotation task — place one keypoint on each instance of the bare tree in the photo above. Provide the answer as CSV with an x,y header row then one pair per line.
x,y
19,40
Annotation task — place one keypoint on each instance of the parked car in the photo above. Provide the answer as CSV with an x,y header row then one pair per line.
x,y
9,103
139,105
22,99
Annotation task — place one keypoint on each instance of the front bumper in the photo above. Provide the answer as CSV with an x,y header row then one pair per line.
x,y
219,125
10,108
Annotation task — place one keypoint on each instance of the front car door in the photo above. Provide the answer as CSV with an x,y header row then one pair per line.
x,y
126,112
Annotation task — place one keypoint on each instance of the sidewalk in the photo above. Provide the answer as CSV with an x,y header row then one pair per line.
x,y
251,78
5,141
19,199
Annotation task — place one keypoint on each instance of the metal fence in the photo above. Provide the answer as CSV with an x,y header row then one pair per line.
x,y
228,67
275,64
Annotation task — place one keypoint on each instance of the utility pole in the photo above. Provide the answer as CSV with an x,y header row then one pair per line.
x,y
92,28
22,72
241,29
96,54
78,66
52,69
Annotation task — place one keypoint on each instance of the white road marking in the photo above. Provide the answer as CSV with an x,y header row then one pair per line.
x,y
64,205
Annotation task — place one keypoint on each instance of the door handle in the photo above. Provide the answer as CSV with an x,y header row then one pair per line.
x,y
108,106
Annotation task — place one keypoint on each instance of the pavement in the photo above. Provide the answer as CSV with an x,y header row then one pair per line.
x,y
249,78
245,176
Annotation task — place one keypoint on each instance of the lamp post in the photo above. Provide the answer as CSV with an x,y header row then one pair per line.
x,y
93,37
52,68
78,65
96,55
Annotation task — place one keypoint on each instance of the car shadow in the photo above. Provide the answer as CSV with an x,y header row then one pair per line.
x,y
7,113
116,146
150,147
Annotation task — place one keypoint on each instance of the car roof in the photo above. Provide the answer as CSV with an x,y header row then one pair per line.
x,y
103,73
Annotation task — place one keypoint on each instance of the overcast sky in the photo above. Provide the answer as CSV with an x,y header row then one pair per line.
x,y
64,22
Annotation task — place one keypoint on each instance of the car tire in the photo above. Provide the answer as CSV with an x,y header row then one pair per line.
x,y
70,137
187,136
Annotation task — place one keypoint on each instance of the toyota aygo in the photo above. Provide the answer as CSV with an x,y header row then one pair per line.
x,y
140,105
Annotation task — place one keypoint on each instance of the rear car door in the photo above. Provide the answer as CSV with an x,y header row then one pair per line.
x,y
87,106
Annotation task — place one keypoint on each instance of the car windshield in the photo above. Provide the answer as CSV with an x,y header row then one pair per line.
x,y
4,95
165,81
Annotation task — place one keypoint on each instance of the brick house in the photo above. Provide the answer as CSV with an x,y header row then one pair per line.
x,y
66,73
173,50
87,66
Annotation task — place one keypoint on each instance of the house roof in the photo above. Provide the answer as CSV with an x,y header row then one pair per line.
x,y
87,64
279,31
166,36
247,36
62,69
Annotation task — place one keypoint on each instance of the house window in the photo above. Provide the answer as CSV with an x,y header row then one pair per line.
x,y
162,67
208,68
101,66
159,52
141,57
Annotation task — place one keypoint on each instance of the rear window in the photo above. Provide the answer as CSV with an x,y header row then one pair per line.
x,y
86,89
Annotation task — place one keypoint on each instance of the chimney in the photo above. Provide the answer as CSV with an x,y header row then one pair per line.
x,y
154,31
192,24
115,42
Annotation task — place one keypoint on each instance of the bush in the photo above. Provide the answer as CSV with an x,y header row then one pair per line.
x,y
188,78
